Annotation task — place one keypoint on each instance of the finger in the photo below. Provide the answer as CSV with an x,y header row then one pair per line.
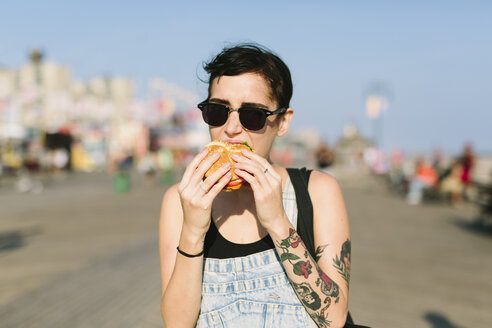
x,y
249,154
249,178
213,178
256,170
262,161
203,167
239,158
272,176
214,191
190,169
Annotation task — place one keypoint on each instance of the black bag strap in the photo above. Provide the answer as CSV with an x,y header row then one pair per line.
x,y
300,180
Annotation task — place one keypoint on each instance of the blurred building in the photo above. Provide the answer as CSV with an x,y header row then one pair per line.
x,y
97,123
40,102
43,95
351,148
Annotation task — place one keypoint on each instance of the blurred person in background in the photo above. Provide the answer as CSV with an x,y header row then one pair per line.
x,y
212,242
60,160
324,157
81,161
467,161
166,164
425,177
11,157
396,173
437,161
146,166
452,184
32,156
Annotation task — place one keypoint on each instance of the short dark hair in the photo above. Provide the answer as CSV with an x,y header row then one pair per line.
x,y
253,58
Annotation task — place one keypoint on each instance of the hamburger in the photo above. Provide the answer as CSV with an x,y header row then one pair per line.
x,y
225,150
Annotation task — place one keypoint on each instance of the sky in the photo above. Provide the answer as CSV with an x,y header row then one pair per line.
x,y
434,58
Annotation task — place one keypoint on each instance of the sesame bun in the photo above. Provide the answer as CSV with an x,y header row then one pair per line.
x,y
225,150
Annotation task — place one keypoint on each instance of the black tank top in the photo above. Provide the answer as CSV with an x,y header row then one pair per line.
x,y
216,246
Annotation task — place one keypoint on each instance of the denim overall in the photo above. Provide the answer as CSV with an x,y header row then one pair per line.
x,y
252,291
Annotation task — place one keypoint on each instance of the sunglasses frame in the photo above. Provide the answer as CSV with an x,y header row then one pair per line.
x,y
267,112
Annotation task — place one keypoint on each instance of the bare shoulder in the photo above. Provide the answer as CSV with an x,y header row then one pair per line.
x,y
322,184
171,195
170,220
328,206
171,217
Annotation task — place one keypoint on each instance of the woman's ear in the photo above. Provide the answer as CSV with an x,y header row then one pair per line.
x,y
285,122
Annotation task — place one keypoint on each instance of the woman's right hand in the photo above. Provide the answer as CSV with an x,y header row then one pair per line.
x,y
197,195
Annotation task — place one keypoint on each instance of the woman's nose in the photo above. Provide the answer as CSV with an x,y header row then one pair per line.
x,y
233,125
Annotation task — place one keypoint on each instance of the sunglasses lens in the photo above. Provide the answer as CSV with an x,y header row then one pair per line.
x,y
214,114
252,118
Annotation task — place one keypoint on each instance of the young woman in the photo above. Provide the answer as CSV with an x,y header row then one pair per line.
x,y
235,259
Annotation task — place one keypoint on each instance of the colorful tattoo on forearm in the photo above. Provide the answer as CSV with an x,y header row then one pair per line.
x,y
308,296
328,286
311,300
301,268
342,262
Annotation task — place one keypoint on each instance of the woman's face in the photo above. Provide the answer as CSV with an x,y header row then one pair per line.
x,y
247,89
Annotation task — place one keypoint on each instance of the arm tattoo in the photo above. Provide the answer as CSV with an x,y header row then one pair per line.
x,y
308,295
312,300
328,286
311,297
342,262
319,250
301,268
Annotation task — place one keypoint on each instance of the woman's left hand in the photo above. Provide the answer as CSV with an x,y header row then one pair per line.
x,y
266,184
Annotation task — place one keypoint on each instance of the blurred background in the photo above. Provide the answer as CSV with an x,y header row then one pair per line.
x,y
98,117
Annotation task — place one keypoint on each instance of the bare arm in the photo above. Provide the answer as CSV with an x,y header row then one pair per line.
x,y
185,219
181,277
324,299
319,285
331,266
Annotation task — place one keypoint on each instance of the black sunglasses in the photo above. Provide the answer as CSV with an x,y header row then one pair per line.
x,y
251,118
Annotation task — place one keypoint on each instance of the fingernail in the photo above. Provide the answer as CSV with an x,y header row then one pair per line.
x,y
228,174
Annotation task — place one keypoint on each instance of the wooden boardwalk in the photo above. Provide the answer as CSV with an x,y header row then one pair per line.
x,y
79,255
115,291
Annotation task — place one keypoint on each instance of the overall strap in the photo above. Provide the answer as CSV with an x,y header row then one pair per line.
x,y
300,179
